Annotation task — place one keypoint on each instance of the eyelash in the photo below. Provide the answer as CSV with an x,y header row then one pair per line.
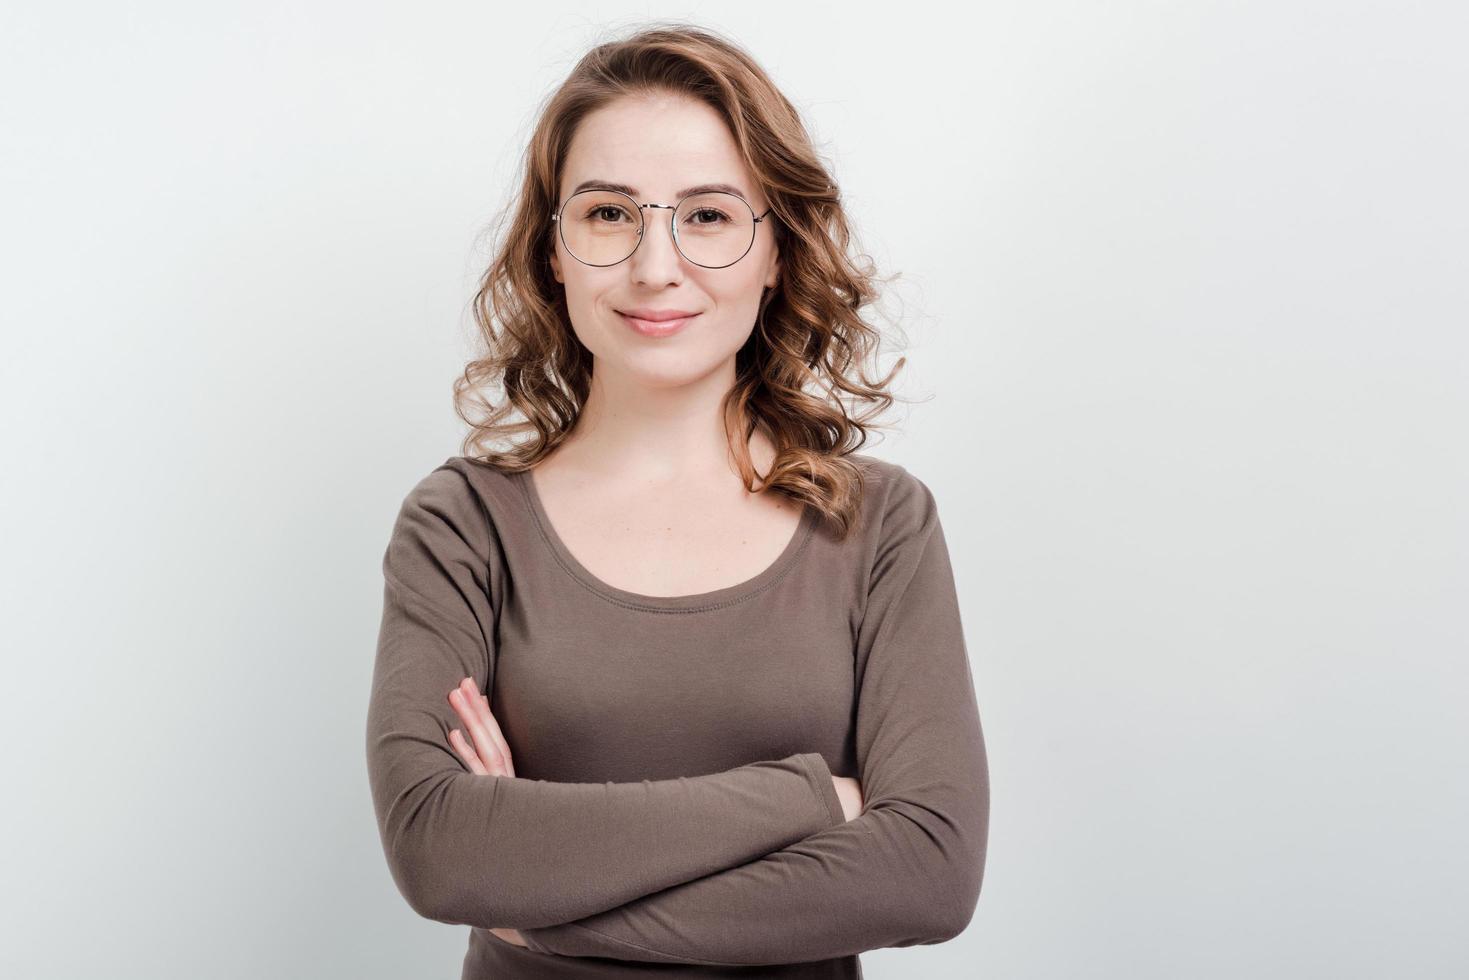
x,y
613,207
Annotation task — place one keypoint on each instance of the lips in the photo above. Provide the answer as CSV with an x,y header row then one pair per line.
x,y
652,313
666,323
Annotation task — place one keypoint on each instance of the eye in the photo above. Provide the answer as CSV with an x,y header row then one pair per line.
x,y
718,216
601,210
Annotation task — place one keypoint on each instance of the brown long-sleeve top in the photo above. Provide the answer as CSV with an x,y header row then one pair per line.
x,y
672,812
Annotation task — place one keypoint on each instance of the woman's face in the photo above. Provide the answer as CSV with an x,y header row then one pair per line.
x,y
660,145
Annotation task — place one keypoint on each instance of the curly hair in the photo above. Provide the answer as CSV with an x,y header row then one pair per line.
x,y
802,375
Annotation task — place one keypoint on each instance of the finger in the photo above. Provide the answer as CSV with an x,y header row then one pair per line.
x,y
462,749
465,753
481,707
497,735
468,716
484,745
478,742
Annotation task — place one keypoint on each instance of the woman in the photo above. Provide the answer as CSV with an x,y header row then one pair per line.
x,y
724,646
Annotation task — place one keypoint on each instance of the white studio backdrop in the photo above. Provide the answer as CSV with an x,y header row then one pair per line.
x,y
1183,287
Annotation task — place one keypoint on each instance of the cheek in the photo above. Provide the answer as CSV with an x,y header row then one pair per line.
x,y
739,287
589,303
584,288
734,322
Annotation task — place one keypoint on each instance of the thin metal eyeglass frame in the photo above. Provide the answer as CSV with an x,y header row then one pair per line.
x,y
643,225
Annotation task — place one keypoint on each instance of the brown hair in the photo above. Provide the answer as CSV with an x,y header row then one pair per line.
x,y
809,333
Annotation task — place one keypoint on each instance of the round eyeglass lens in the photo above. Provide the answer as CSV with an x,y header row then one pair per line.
x,y
603,227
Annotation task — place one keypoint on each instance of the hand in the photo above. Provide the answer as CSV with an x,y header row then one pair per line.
x,y
489,756
510,936
849,791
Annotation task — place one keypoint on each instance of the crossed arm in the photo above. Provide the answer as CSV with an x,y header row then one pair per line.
x,y
486,752
908,870
513,852
635,873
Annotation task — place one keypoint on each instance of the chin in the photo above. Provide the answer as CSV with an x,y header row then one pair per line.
x,y
675,376
667,368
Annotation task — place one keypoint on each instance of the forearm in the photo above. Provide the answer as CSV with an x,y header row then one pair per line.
x,y
899,875
498,851
908,870
507,852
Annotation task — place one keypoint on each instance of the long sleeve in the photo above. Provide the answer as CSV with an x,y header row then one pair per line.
x,y
907,871
512,852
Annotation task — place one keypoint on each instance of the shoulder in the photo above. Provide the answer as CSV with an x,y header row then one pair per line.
x,y
444,547
902,533
458,499
459,482
892,493
899,515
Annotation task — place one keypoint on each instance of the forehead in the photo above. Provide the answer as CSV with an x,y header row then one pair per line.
x,y
655,147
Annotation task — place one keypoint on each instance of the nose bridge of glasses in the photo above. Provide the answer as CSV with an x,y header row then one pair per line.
x,y
643,225
644,207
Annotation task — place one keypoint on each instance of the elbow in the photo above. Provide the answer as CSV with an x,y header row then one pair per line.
x,y
437,886
941,896
432,857
940,891
957,876
961,913
948,916
423,887
966,869
966,879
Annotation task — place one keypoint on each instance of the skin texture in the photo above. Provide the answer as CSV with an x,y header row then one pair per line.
x,y
645,488
650,438
660,144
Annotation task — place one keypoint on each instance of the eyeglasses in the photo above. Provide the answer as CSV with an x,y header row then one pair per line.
x,y
603,227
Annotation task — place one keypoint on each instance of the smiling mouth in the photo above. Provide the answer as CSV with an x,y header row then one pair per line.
x,y
656,328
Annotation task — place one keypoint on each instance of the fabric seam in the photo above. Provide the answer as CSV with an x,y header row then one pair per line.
x,y
807,534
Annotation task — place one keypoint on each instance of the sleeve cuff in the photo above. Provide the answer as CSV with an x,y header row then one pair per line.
x,y
825,789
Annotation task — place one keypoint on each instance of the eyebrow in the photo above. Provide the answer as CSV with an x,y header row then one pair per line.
x,y
630,191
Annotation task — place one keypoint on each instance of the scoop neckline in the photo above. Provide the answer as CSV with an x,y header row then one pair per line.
x,y
693,602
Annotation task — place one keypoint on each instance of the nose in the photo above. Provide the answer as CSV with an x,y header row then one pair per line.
x,y
656,257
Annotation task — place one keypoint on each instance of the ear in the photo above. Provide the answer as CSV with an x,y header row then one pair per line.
x,y
774,276
556,265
